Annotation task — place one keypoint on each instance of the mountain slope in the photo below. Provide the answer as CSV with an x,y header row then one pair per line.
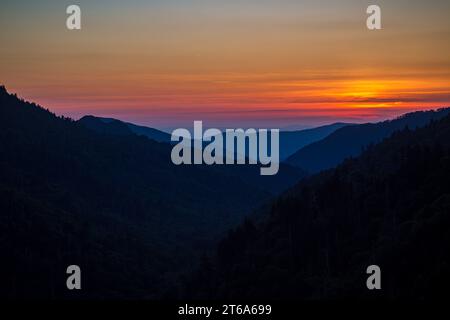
x,y
349,141
292,141
113,126
114,204
389,207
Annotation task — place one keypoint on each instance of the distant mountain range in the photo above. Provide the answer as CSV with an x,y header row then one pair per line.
x,y
350,141
290,141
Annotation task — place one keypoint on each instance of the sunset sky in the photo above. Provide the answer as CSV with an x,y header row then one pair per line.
x,y
230,63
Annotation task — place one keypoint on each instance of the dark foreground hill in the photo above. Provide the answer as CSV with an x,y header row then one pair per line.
x,y
117,127
113,204
351,140
389,207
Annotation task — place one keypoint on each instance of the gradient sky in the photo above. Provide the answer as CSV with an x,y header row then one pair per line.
x,y
250,63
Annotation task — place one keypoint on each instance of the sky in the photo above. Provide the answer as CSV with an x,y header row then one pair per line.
x,y
247,63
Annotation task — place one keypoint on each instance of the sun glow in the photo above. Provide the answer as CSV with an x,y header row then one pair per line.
x,y
363,89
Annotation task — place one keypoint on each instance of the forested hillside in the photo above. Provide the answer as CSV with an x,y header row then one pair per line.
x,y
113,204
389,207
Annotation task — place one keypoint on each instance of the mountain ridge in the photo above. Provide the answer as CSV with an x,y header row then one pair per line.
x,y
350,141
119,127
